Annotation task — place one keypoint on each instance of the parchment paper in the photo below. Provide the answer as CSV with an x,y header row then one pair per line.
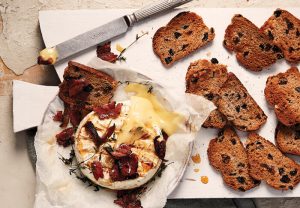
x,y
56,188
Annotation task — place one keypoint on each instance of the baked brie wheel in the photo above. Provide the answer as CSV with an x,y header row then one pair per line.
x,y
117,147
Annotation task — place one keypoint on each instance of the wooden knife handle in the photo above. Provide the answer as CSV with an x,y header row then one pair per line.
x,y
155,8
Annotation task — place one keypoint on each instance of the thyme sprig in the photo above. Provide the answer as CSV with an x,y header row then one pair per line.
x,y
68,161
159,172
147,84
137,37
87,181
75,169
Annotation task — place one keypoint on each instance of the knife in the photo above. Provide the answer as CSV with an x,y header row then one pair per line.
x,y
104,32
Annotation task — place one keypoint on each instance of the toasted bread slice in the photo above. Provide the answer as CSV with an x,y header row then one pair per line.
x,y
185,33
253,49
238,106
206,78
86,87
227,154
283,29
283,92
288,139
215,120
269,164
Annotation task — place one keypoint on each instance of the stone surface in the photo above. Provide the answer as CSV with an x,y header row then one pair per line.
x,y
17,182
207,203
43,75
20,39
278,203
20,42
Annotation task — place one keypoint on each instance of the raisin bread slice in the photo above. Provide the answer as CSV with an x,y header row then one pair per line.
x,y
227,155
185,33
283,92
253,49
215,120
283,29
288,139
238,106
86,87
269,164
205,78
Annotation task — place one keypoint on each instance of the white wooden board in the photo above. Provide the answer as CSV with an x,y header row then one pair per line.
x,y
57,26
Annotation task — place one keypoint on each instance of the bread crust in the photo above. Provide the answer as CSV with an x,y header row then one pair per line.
x,y
253,48
269,164
227,154
205,78
282,91
288,139
185,33
103,86
283,29
238,106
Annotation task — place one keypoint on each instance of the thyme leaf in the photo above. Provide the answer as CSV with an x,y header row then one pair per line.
x,y
75,169
122,58
150,89
68,161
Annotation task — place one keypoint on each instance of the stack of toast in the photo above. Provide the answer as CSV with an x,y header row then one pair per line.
x,y
243,167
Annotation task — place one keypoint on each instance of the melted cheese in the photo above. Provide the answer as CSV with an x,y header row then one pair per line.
x,y
146,111
119,48
142,118
49,54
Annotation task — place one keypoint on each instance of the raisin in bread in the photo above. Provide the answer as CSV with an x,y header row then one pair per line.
x,y
238,106
86,87
253,49
283,29
205,78
185,33
283,92
227,154
288,138
269,164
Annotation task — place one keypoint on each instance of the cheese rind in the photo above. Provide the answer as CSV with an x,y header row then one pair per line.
x,y
86,151
142,119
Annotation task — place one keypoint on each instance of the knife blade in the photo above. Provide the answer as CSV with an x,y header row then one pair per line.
x,y
103,33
